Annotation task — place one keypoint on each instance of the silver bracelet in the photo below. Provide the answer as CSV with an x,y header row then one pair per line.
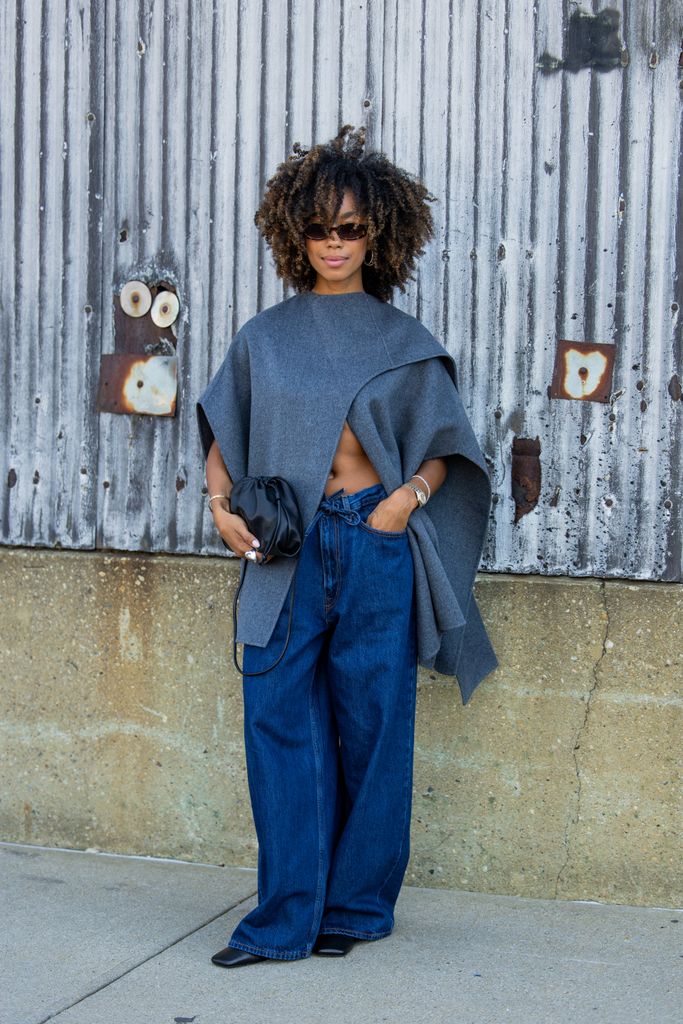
x,y
217,496
429,490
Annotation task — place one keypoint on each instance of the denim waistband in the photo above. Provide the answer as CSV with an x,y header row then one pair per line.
x,y
356,500
347,506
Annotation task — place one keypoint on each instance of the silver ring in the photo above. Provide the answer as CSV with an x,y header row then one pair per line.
x,y
250,554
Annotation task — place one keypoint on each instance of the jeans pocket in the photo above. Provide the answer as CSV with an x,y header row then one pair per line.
x,y
365,512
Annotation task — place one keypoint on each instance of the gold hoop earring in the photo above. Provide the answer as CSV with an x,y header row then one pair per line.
x,y
371,260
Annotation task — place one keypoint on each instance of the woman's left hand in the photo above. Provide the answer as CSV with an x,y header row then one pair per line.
x,y
390,514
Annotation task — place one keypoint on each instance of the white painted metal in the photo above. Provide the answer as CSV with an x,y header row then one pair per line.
x,y
135,143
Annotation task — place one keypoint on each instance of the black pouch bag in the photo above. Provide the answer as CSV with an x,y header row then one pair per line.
x,y
269,507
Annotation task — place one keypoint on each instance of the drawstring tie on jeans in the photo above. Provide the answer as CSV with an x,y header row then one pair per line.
x,y
335,505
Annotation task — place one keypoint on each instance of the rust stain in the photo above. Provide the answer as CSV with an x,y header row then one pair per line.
x,y
135,383
526,474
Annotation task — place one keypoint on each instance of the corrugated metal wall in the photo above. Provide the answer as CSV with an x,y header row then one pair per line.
x,y
135,141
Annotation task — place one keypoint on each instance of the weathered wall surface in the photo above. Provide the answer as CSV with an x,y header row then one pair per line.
x,y
121,727
138,141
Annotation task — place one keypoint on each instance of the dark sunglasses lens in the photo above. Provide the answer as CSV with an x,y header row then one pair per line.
x,y
350,232
347,232
316,232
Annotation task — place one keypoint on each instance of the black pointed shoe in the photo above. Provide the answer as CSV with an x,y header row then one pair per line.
x,y
333,944
231,957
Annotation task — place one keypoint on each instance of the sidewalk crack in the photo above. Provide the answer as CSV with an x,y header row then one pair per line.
x,y
100,986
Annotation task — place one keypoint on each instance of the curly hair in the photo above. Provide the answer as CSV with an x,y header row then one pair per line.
x,y
311,182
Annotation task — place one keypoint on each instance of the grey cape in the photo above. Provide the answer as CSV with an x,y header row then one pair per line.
x,y
276,406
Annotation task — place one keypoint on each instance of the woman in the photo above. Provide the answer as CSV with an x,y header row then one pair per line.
x,y
355,403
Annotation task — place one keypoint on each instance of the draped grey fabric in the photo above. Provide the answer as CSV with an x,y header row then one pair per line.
x,y
276,406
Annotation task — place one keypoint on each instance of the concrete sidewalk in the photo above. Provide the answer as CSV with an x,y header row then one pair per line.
x,y
102,939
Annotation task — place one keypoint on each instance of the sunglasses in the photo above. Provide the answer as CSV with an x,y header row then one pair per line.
x,y
345,232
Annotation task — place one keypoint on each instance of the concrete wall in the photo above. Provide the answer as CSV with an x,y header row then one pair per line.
x,y
122,727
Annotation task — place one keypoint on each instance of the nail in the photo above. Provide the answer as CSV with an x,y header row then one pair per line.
x,y
255,543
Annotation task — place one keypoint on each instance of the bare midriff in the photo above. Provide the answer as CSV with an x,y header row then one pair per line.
x,y
351,468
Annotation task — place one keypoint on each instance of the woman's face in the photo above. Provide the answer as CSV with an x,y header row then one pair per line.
x,y
338,264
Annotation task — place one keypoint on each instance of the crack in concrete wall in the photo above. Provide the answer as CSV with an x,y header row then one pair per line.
x,y
573,820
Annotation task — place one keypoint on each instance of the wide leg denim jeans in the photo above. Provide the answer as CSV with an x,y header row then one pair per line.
x,y
329,737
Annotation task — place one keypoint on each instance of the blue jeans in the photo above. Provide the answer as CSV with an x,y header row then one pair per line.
x,y
329,737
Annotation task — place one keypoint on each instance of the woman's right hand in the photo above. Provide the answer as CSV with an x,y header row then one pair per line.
x,y
236,533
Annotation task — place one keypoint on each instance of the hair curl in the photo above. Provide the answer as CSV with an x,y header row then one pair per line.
x,y
311,182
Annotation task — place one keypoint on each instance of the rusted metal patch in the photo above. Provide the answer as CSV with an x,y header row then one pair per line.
x,y
583,371
135,333
141,375
135,383
526,474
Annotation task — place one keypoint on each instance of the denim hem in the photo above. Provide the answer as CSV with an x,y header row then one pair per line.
x,y
274,954
369,936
